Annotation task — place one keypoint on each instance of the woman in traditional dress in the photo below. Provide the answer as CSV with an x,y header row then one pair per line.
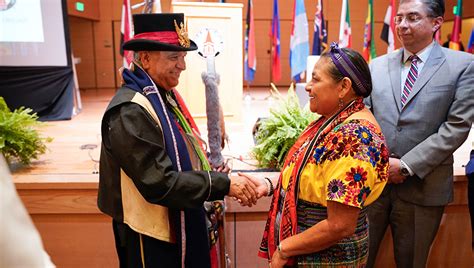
x,y
335,169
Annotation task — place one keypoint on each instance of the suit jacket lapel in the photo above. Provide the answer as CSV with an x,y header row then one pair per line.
x,y
432,65
395,72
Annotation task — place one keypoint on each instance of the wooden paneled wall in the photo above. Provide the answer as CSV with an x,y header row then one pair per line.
x,y
97,42
91,9
76,234
82,45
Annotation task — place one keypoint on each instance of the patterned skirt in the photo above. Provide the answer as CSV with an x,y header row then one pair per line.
x,y
349,252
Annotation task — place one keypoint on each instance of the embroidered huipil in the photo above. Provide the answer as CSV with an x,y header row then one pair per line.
x,y
348,165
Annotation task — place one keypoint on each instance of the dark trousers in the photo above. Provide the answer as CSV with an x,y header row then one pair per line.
x,y
149,253
413,226
470,190
470,196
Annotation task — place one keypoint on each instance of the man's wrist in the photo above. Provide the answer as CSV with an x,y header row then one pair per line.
x,y
405,169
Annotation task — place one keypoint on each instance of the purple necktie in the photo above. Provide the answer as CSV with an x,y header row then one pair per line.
x,y
411,78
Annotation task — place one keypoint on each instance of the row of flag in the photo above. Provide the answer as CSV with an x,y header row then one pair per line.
x,y
299,41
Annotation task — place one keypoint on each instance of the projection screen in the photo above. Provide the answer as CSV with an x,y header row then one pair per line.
x,y
32,33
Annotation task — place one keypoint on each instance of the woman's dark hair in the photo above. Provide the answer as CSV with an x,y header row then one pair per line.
x,y
359,62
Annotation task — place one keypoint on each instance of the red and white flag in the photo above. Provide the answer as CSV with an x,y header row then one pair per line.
x,y
345,36
388,29
126,30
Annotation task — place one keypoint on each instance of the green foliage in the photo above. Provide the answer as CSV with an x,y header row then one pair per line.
x,y
18,137
277,133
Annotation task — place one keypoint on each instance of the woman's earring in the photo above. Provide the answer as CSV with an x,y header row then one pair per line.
x,y
341,103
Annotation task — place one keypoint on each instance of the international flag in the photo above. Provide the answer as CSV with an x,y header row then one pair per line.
x,y
152,6
388,29
275,36
250,63
345,37
470,44
456,33
299,40
126,30
368,52
320,39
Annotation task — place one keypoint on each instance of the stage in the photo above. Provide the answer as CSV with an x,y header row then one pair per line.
x,y
60,190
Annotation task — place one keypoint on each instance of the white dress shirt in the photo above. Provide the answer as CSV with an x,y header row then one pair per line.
x,y
422,58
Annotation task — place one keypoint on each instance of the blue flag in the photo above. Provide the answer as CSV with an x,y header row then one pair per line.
x,y
299,45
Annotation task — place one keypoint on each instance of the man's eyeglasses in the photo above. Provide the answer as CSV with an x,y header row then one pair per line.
x,y
410,18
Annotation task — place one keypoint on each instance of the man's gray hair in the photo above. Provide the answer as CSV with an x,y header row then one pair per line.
x,y
136,58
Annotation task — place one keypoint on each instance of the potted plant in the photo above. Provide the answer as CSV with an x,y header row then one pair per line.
x,y
276,134
19,138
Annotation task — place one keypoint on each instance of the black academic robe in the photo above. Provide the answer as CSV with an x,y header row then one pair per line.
x,y
132,141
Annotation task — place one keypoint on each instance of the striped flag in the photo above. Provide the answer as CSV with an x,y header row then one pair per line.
x,y
126,30
299,41
470,44
456,33
250,64
275,35
388,29
320,39
368,52
345,37
152,6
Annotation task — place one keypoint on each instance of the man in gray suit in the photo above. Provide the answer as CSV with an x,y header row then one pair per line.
x,y
425,107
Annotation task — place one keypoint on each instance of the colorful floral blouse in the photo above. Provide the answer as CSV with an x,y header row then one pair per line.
x,y
349,166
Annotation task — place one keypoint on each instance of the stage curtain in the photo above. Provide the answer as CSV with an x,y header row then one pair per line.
x,y
49,91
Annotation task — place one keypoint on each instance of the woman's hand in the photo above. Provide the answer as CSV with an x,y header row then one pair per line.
x,y
277,260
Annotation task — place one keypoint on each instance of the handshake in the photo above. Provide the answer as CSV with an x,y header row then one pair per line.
x,y
248,189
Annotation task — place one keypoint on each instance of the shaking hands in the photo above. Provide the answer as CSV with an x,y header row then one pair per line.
x,y
247,189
